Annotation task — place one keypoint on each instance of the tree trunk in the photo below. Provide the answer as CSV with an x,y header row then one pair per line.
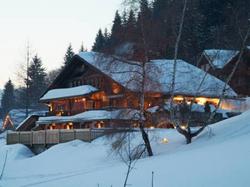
x,y
127,174
188,138
176,49
146,140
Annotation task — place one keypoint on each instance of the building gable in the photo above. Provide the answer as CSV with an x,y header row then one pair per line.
x,y
79,73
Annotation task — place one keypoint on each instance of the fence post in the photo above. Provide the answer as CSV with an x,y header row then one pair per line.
x,y
59,136
19,139
58,141
7,138
31,138
45,137
90,134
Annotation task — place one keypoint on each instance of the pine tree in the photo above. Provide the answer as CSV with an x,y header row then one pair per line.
x,y
124,18
159,9
208,24
21,97
131,28
82,49
8,98
193,35
214,20
107,43
99,42
69,55
144,9
117,34
37,81
144,24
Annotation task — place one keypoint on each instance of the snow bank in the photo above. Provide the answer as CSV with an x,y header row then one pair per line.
x,y
218,157
15,152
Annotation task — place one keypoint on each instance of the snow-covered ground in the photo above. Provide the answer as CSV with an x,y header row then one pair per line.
x,y
218,157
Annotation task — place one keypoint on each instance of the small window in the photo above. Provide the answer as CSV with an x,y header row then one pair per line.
x,y
78,82
73,83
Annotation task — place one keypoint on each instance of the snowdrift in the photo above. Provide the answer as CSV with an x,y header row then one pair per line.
x,y
218,157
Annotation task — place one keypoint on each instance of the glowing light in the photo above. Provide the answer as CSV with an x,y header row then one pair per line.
x,y
178,98
50,107
183,126
116,88
105,98
59,113
152,127
227,105
164,141
99,125
7,119
201,100
135,125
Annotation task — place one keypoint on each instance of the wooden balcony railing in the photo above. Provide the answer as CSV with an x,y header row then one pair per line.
x,y
51,137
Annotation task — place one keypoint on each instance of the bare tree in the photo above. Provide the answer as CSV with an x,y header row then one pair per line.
x,y
172,91
52,75
128,152
4,165
137,77
239,59
142,93
134,76
186,131
22,79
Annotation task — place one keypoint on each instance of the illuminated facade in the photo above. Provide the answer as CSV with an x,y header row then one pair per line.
x,y
87,95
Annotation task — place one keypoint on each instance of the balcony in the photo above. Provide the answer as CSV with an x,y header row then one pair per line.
x,y
63,113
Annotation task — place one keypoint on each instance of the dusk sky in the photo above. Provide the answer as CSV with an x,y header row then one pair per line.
x,y
49,26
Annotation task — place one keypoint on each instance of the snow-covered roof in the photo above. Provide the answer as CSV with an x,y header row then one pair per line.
x,y
17,116
26,119
158,75
122,114
218,58
153,109
68,92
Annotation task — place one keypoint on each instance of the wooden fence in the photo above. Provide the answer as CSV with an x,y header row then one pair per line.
x,y
51,137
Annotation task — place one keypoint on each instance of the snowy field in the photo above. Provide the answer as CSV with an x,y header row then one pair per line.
x,y
219,157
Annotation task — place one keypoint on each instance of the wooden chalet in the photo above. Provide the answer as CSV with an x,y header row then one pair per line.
x,y
96,90
220,62
96,93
